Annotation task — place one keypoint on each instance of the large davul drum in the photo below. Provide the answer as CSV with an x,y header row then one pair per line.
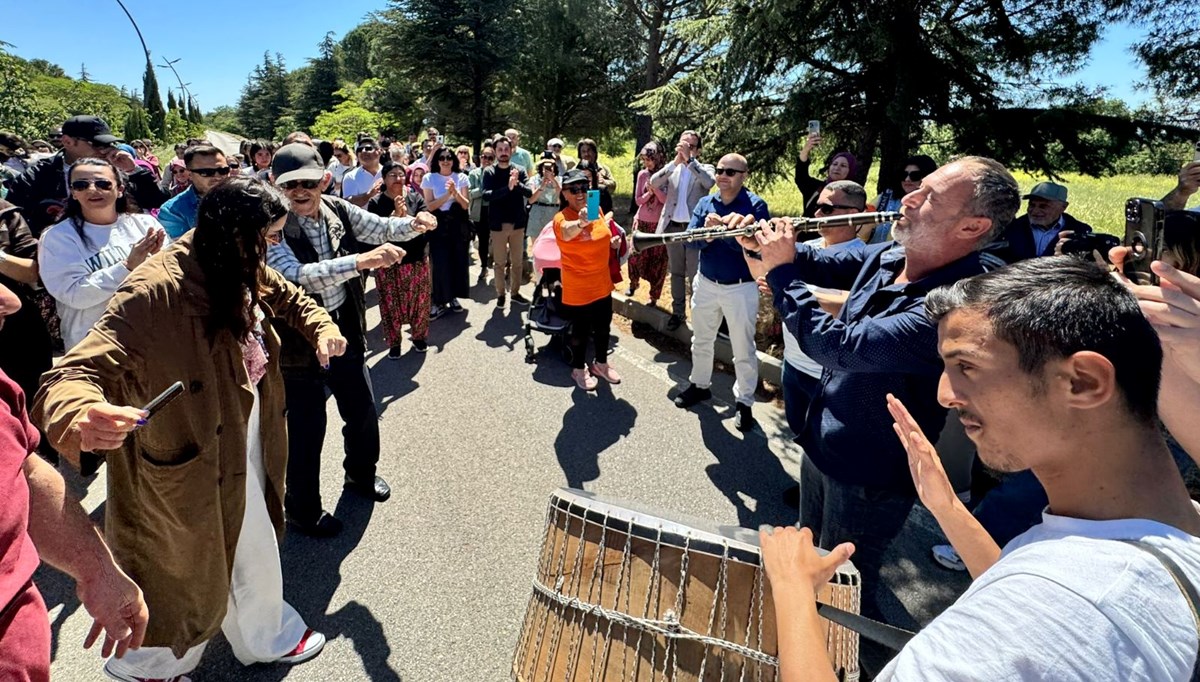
x,y
626,594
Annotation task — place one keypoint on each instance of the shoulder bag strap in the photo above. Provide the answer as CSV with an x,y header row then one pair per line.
x,y
1185,587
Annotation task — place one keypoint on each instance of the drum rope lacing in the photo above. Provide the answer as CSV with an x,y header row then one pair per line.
x,y
668,627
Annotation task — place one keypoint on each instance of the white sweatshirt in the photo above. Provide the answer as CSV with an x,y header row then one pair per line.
x,y
83,275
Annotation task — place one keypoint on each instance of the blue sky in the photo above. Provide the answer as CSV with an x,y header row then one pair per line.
x,y
220,41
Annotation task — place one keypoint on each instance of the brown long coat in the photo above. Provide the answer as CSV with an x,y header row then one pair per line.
x,y
177,487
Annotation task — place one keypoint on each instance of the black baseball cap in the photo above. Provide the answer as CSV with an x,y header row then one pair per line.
x,y
574,176
365,142
297,161
90,129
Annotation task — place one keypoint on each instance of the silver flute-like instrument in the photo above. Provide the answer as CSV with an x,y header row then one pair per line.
x,y
642,240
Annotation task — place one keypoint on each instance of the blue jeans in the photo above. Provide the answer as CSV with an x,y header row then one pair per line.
x,y
869,517
799,389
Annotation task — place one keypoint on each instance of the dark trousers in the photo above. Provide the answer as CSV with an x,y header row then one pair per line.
x,y
483,235
450,258
306,388
593,320
1012,507
869,517
799,389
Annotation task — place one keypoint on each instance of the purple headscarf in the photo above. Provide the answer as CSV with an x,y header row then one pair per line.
x,y
850,161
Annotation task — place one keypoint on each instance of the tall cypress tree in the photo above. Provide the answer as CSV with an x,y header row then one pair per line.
x,y
152,102
172,104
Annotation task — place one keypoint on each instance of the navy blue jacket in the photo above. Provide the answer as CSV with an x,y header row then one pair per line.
x,y
1016,242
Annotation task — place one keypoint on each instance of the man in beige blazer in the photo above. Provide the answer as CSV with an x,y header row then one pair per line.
x,y
685,180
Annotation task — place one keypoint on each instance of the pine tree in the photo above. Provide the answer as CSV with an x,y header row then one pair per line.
x,y
265,98
152,102
318,86
195,115
83,73
137,125
172,105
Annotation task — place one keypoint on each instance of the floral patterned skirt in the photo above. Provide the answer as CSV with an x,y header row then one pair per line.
x,y
404,298
650,265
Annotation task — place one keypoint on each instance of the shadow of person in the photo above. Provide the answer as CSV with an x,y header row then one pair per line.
x,y
311,576
593,423
502,330
446,328
391,379
57,588
746,469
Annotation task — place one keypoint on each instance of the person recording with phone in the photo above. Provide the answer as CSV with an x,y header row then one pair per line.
x,y
1046,229
195,491
1188,185
683,181
843,166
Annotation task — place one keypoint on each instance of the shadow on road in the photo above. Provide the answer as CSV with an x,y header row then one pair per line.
x,y
593,423
502,329
391,380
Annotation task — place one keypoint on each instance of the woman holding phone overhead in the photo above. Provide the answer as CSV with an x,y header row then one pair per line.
x,y
195,491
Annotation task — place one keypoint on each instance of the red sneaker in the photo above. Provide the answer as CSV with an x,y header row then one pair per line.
x,y
310,645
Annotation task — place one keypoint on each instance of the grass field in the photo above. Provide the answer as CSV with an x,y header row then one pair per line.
x,y
1098,202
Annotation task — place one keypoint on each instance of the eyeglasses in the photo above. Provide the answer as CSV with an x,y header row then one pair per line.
x,y
84,185
210,172
464,153
729,171
575,189
914,176
830,208
488,157
556,146
367,150
275,238
306,184
446,158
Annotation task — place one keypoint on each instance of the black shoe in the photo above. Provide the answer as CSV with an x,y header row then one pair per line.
x,y
395,352
674,323
376,491
455,306
420,345
500,301
436,311
791,497
326,525
519,299
692,395
745,418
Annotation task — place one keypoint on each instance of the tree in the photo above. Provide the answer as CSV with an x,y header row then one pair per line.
x,y
45,68
317,90
354,52
137,124
172,105
194,114
265,98
152,102
83,73
978,66
453,51
349,116
224,119
19,108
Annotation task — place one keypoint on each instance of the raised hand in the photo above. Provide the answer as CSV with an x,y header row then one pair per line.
x,y
924,463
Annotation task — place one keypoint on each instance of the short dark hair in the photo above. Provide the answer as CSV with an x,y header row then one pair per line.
x,y
200,150
1056,306
455,166
699,140
997,196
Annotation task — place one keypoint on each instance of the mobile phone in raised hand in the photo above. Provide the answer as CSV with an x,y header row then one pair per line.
x,y
1196,154
1143,235
814,127
593,203
173,391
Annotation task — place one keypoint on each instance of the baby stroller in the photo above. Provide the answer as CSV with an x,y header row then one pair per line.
x,y
545,312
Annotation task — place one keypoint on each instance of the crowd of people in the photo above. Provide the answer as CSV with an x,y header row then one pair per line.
x,y
253,265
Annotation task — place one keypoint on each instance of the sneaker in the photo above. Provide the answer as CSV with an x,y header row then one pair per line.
x,y
948,558
629,291
114,674
310,645
745,418
455,306
500,301
606,372
436,311
584,380
395,352
692,395
674,322
420,346
518,299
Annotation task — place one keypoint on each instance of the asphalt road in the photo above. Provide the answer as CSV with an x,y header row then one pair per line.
x,y
432,585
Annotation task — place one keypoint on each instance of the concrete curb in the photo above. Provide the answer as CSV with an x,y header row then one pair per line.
x,y
770,368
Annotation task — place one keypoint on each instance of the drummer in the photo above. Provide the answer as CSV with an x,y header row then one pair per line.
x,y
588,245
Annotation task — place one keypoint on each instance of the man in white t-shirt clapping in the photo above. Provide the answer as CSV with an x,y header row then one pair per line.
x,y
361,184
1051,366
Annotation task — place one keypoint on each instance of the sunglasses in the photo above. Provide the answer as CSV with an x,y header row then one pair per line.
x,y
306,184
575,189
489,157
210,172
445,158
830,208
731,172
914,176
84,185
368,150
275,238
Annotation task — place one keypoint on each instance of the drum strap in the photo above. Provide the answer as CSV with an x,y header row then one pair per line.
x,y
889,636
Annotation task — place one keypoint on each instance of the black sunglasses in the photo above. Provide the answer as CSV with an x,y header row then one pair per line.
x,y
210,172
445,158
575,189
84,185
830,208
489,157
306,184
914,176
365,149
731,172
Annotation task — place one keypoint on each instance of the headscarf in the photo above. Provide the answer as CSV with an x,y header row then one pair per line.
x,y
850,161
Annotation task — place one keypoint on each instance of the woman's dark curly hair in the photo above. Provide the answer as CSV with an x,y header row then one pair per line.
x,y
231,247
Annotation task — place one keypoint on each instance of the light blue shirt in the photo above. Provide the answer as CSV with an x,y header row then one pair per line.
x,y
178,214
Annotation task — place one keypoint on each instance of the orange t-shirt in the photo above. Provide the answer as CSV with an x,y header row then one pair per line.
x,y
585,274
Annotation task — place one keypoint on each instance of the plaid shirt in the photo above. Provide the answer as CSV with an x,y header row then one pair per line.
x,y
328,275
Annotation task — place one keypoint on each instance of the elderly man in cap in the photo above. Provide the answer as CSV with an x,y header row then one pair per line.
x,y
361,184
41,191
565,163
326,243
1043,230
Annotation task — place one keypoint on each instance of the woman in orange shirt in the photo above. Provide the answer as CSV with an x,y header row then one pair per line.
x,y
586,245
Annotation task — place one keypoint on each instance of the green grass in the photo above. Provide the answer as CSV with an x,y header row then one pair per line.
x,y
1098,202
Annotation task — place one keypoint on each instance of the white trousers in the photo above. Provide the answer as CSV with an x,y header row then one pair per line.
x,y
259,624
738,303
